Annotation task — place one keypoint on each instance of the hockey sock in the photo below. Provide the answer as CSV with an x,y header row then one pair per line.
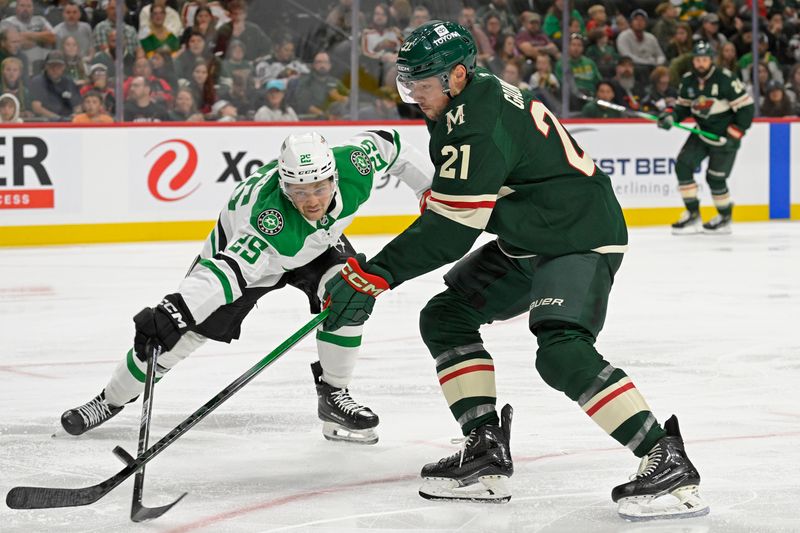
x,y
689,195
720,195
568,361
466,374
338,353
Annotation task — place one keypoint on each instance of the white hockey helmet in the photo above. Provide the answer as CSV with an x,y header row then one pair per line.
x,y
306,158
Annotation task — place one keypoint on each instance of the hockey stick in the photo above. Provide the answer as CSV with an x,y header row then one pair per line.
x,y
46,497
140,513
648,116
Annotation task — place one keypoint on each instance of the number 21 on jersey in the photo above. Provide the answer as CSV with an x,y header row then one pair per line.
x,y
582,163
452,167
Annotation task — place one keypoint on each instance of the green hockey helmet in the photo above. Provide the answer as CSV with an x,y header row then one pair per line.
x,y
434,49
702,48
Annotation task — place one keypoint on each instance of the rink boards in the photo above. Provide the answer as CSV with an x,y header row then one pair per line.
x,y
64,184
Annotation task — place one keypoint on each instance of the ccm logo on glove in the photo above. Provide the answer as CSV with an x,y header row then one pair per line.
x,y
362,281
174,312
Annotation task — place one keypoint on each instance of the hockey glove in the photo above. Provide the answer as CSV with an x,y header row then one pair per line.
x,y
163,325
666,120
350,296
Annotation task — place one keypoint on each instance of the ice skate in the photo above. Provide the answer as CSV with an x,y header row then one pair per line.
x,y
719,225
666,485
88,416
478,472
689,223
342,418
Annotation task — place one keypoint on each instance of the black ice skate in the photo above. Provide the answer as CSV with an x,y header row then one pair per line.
x,y
689,223
343,419
719,225
88,416
666,485
479,471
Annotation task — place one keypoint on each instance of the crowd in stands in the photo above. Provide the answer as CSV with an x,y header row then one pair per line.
x,y
289,60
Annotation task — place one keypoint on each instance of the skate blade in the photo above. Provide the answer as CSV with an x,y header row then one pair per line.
x,y
684,502
488,489
721,231
337,433
690,230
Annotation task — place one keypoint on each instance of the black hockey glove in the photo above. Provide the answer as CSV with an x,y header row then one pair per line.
x,y
350,296
163,325
666,120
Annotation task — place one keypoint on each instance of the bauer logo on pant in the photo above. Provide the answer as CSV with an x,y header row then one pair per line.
x,y
270,222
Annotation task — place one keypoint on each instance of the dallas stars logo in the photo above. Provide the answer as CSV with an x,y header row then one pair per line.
x,y
270,222
361,162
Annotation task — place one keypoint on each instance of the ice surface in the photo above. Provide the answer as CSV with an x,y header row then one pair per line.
x,y
706,326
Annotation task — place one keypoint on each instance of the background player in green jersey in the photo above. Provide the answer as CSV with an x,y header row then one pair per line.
x,y
281,226
504,164
718,102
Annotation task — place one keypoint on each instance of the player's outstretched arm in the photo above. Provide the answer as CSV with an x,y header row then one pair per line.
x,y
350,296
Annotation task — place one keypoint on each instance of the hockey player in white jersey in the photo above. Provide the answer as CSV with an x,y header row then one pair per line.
x,y
283,225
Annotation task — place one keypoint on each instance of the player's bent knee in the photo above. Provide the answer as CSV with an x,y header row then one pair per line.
x,y
446,322
566,358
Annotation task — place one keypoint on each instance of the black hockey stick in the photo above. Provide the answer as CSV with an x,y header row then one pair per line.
x,y
140,513
46,497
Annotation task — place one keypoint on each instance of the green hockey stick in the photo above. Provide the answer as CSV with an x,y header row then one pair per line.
x,y
648,116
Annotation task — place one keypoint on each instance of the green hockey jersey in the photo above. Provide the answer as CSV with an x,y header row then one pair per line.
x,y
260,235
715,102
505,164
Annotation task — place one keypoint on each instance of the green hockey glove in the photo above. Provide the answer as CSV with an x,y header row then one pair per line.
x,y
666,120
350,296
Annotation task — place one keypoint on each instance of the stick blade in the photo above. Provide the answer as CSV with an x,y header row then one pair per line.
x,y
46,498
140,513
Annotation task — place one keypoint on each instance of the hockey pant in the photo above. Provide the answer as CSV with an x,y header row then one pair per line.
x,y
337,351
720,164
566,298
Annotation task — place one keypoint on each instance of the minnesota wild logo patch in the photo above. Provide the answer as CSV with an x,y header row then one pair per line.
x,y
361,162
270,222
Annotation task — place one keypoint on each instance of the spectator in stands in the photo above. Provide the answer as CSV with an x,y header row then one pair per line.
x,y
620,24
36,33
53,95
104,30
691,10
763,79
275,108
511,74
380,43
382,107
224,111
194,51
13,82
543,78
11,46
202,84
681,42
98,82
583,71
243,95
163,67
743,40
171,20
660,95
467,18
709,32
189,12
54,13
139,107
500,9
281,65
160,91
727,59
776,102
602,52
493,28
640,45
531,40
93,110
337,27
204,24
779,38
765,56
793,85
729,21
73,27
316,91
604,90
158,36
185,109
9,109
76,67
419,16
552,21
666,25
505,51
627,90
598,19
256,42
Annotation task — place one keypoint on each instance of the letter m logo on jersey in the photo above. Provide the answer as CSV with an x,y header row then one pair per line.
x,y
455,117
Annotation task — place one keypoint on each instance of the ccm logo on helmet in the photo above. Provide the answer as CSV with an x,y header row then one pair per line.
x,y
359,282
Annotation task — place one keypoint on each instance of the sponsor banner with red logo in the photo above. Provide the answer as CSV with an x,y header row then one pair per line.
x,y
86,175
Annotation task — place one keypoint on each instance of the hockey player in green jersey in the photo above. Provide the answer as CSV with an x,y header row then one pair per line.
x,y
282,226
504,164
718,102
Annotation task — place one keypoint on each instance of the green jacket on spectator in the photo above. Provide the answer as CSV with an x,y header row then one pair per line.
x,y
585,72
552,24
